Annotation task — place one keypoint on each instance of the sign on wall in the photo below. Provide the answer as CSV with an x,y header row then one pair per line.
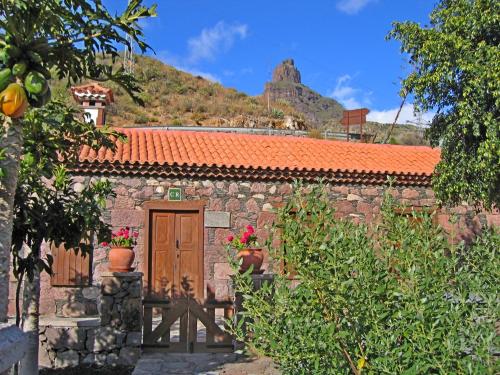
x,y
217,219
174,194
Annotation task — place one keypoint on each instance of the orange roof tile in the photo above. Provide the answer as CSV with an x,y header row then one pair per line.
x,y
277,155
90,89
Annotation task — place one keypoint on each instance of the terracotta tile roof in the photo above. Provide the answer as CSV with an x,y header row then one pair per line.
x,y
169,153
91,91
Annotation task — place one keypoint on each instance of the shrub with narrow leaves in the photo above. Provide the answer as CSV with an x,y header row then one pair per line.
x,y
392,298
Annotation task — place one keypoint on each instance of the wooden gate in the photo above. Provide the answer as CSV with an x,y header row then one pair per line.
x,y
186,326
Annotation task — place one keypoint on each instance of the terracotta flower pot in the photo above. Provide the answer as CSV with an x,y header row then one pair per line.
x,y
250,257
121,259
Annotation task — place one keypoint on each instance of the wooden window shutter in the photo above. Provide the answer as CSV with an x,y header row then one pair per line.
x,y
69,268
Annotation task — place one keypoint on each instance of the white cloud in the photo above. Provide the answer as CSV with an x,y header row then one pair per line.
x,y
348,95
406,116
352,6
212,41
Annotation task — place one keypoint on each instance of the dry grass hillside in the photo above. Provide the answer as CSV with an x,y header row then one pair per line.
x,y
173,97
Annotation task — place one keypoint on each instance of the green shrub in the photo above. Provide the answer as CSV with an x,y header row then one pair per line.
x,y
176,122
146,97
141,119
394,298
393,141
277,113
181,90
209,90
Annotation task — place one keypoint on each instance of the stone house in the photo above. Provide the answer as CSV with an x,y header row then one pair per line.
x,y
184,192
226,181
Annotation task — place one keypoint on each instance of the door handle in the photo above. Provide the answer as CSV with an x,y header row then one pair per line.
x,y
177,243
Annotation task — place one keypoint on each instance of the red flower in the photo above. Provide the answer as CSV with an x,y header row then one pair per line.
x,y
230,238
125,235
250,229
104,244
136,234
244,238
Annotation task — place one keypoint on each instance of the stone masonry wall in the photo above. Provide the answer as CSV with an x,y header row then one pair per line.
x,y
247,203
114,339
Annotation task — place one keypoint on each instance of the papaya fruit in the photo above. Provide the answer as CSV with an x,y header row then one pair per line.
x,y
5,78
4,56
13,101
40,100
19,69
46,73
35,83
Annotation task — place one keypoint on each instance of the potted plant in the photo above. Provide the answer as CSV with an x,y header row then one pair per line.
x,y
121,255
248,252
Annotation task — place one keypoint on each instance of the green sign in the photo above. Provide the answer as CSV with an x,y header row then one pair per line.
x,y
174,194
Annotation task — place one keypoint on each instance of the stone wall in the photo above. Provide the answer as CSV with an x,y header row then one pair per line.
x,y
246,203
112,339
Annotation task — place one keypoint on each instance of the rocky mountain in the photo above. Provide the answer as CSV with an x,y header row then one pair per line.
x,y
287,88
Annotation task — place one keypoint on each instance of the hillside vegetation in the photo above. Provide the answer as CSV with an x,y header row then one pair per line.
x,y
176,98
173,97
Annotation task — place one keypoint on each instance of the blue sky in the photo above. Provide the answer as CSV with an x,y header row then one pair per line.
x,y
339,46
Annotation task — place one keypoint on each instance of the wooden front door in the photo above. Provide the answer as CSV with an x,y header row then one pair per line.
x,y
176,250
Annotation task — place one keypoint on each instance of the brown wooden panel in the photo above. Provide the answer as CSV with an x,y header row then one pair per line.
x,y
189,253
163,254
69,268
175,250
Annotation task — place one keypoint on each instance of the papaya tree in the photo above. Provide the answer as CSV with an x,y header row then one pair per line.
x,y
456,72
48,210
39,39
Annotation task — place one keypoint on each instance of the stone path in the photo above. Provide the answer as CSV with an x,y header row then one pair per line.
x,y
203,364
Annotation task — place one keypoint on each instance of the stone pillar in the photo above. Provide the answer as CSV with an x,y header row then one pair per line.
x,y
118,339
13,345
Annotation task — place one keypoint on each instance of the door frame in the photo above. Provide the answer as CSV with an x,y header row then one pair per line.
x,y
151,206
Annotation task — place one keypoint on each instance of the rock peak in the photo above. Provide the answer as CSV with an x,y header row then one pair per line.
x,y
286,71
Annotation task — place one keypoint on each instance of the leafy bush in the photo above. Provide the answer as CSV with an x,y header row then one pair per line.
x,y
277,113
209,90
141,119
176,122
393,298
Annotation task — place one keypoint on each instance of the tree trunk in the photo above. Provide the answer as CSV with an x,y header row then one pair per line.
x,y
11,140
31,302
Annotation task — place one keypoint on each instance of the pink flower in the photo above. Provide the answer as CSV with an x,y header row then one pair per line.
x,y
230,238
244,238
104,244
250,229
136,234
113,235
125,235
